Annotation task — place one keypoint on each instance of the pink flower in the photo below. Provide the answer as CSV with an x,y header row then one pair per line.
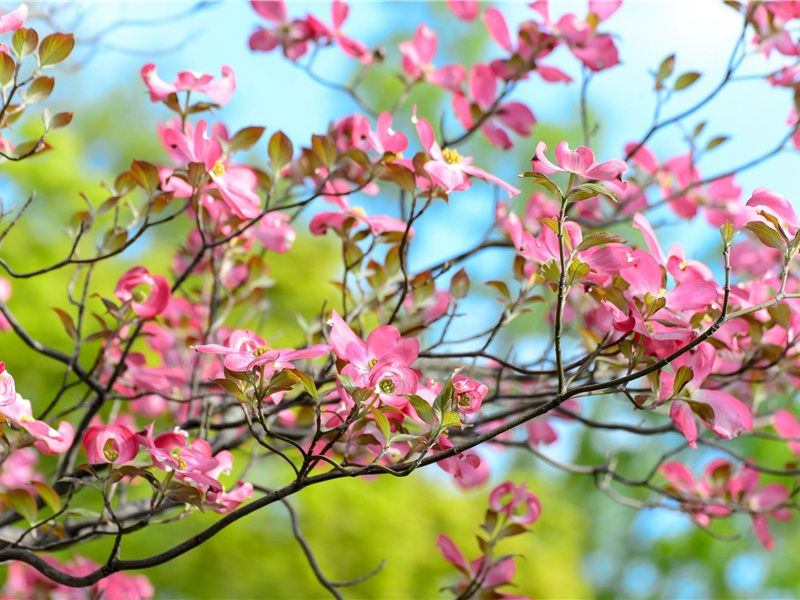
x,y
8,392
5,294
48,440
418,56
292,36
228,501
244,350
145,304
349,46
236,184
766,501
516,502
468,394
110,443
384,138
190,461
15,19
703,498
482,91
447,168
580,162
340,221
785,423
452,554
382,344
466,10
718,410
219,91
776,206
467,468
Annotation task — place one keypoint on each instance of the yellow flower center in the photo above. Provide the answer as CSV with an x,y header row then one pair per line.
x,y
387,386
218,169
109,452
451,156
261,350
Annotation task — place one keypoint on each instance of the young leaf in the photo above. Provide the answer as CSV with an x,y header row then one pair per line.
x,y
55,48
49,495
685,80
280,150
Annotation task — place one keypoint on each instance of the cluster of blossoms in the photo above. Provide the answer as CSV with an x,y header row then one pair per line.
x,y
178,380
512,510
719,492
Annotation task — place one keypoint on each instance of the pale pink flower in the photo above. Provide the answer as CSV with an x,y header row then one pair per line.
x,y
580,162
220,91
447,168
13,20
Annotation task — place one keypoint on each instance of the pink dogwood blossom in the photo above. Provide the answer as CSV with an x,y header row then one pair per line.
x,y
580,162
145,304
220,91
110,443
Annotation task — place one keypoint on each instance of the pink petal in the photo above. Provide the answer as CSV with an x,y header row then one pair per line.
x,y
498,29
786,425
683,417
574,161
273,10
731,416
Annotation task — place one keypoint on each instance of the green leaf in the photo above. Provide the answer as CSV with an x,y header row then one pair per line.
x,y
22,502
55,48
401,176
600,238
685,80
550,223
682,379
39,90
449,419
307,382
49,495
459,284
323,147
720,139
232,388
422,408
146,175
58,120
702,410
7,68
280,150
246,138
589,190
24,42
382,422
500,287
544,182
727,232
768,236
665,70
444,399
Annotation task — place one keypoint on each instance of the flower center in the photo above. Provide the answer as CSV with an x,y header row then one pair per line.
x,y
372,362
109,452
176,454
387,386
451,156
261,350
218,169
